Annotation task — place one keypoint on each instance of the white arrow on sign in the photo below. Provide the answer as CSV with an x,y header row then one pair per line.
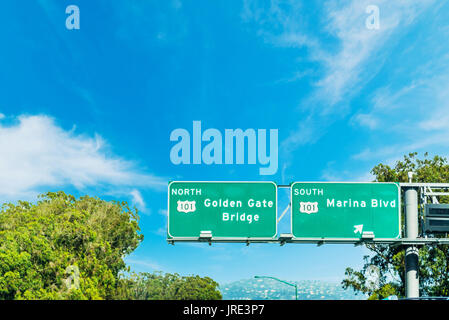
x,y
358,228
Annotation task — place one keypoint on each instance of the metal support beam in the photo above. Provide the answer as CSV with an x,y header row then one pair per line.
x,y
321,241
411,252
423,184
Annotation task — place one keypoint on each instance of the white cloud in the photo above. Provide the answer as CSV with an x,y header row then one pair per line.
x,y
282,24
415,115
352,58
382,153
436,143
360,46
436,122
148,265
146,23
344,65
331,173
137,199
304,133
37,154
366,120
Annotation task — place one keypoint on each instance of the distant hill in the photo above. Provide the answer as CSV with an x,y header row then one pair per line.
x,y
268,289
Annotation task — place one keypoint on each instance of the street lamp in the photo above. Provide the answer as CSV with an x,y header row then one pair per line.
x,y
288,283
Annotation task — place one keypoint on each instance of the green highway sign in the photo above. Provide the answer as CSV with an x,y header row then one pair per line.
x,y
345,210
226,210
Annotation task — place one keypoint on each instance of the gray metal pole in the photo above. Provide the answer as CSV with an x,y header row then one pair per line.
x,y
411,252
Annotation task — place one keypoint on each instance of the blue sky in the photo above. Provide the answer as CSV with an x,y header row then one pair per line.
x,y
90,111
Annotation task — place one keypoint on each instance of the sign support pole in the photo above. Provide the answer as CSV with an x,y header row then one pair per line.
x,y
411,252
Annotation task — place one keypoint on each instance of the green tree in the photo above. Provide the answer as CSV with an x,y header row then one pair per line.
x,y
433,260
160,286
42,244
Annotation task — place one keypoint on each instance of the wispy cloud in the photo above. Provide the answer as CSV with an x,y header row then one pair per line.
x,y
366,120
359,47
148,23
38,154
137,199
331,173
415,114
282,23
348,55
146,265
352,63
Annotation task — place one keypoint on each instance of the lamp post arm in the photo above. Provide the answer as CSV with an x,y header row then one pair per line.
x,y
290,284
285,282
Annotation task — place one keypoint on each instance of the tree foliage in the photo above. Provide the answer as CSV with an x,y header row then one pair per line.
x,y
68,248
433,260
159,286
38,242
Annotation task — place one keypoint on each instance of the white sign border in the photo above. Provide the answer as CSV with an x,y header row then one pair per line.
x,y
171,238
344,239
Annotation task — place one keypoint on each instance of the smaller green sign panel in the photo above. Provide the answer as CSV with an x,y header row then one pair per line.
x,y
226,209
345,210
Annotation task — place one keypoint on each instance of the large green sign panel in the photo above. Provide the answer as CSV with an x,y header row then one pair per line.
x,y
345,210
229,210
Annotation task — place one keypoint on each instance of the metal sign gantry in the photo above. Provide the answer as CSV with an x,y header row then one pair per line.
x,y
426,191
415,196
